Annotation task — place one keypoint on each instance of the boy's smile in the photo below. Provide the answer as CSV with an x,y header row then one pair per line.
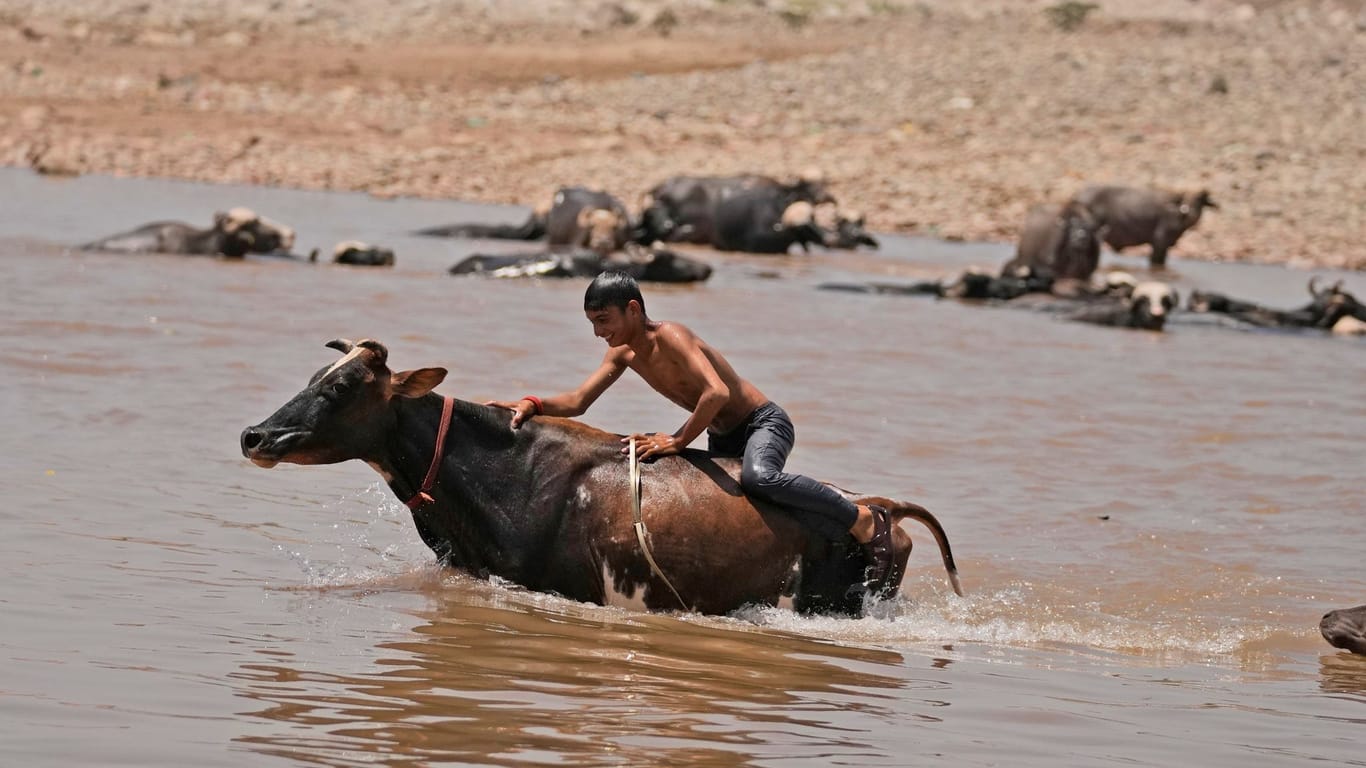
x,y
610,325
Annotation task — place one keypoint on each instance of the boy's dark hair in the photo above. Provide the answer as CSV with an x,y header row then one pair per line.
x,y
612,289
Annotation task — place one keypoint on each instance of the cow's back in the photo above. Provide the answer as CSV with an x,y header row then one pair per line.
x,y
1130,215
712,542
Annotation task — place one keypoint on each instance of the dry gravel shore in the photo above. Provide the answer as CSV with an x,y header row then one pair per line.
x,y
933,117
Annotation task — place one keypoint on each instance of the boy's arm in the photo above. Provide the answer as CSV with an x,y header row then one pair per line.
x,y
685,348
571,403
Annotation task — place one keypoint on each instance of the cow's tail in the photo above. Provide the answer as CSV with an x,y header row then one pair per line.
x,y
531,229
902,510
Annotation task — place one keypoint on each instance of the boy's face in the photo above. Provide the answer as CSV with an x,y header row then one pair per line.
x,y
614,325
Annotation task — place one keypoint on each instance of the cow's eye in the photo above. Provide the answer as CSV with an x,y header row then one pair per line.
x,y
340,388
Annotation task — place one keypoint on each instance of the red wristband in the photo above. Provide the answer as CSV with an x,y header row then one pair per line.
x,y
536,401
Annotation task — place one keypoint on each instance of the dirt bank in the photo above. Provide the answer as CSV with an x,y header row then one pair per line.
x,y
926,118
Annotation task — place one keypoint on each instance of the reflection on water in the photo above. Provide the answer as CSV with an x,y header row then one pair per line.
x,y
1343,673
481,679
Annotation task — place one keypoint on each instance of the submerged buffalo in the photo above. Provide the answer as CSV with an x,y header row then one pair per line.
x,y
549,506
657,265
234,234
358,254
1057,242
577,216
755,221
1345,628
1145,308
1153,217
1330,308
683,208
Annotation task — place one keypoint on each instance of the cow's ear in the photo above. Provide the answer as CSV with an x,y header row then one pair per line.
x,y
417,383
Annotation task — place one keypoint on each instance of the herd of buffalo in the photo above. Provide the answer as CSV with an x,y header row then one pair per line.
x,y
587,231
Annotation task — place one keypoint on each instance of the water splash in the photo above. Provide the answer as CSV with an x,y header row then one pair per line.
x,y
360,537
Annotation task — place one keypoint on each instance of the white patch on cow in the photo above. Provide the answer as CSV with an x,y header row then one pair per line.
x,y
1350,326
827,215
559,198
799,213
349,245
236,218
388,478
610,595
1160,296
1119,279
356,350
286,233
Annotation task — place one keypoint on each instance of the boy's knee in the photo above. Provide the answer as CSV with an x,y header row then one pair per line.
x,y
753,480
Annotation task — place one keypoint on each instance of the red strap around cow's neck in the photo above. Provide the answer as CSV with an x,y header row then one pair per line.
x,y
422,497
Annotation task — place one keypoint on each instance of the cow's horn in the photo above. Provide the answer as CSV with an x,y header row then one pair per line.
x,y
343,346
1312,290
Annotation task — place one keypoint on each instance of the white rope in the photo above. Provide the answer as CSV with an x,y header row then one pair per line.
x,y
639,524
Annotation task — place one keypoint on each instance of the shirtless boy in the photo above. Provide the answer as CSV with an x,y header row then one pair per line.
x,y
740,421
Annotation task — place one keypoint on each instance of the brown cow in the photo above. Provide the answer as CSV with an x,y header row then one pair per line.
x,y
548,505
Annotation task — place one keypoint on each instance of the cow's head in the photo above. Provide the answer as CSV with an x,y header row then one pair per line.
x,y
1150,304
343,412
265,235
602,230
1331,304
1192,204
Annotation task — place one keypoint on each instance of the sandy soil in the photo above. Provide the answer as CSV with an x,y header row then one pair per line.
x,y
932,117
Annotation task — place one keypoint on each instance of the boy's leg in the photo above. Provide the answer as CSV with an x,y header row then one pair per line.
x,y
814,504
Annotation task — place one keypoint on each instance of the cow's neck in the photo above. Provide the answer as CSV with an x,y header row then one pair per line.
x,y
481,499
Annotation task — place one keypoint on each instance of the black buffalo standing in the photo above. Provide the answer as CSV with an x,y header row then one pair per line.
x,y
1153,217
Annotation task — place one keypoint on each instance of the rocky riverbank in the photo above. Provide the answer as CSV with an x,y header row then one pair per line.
x,y
927,118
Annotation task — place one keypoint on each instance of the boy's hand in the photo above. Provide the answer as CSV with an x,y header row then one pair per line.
x,y
653,444
521,410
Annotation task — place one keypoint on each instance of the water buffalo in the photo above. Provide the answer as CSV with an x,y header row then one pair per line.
x,y
577,216
1146,308
548,506
1059,242
1331,308
756,221
1345,628
234,234
683,208
1144,216
655,264
360,254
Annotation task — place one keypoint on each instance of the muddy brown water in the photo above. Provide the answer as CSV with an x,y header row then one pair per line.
x,y
1148,525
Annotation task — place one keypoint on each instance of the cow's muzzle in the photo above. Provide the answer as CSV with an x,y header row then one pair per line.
x,y
266,447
